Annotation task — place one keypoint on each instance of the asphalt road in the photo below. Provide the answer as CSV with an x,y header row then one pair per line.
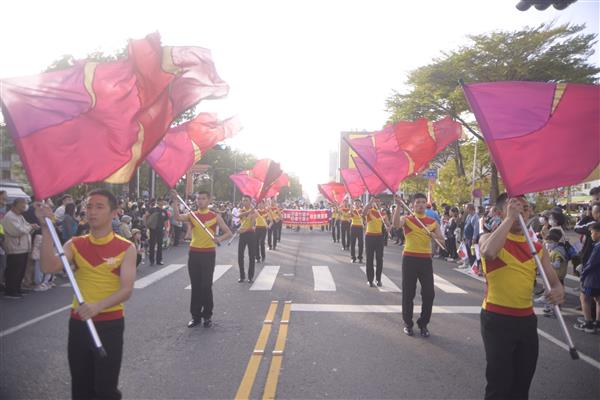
x,y
309,327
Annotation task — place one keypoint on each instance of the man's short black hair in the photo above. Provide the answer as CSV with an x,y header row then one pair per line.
x,y
594,190
501,200
112,200
595,226
206,192
418,196
554,235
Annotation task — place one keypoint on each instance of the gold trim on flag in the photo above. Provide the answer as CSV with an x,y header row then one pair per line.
x,y
88,80
411,163
431,131
123,174
558,93
594,175
197,152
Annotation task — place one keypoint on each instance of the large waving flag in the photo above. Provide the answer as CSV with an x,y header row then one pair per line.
x,y
257,181
372,182
99,121
281,182
246,183
352,181
541,135
184,145
334,192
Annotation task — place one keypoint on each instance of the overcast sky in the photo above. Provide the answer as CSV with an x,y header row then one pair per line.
x,y
300,71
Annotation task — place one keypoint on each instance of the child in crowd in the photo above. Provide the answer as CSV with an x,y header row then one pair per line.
x,y
590,285
136,238
558,259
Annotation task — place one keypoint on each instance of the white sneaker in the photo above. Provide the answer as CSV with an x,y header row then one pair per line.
x,y
40,288
540,299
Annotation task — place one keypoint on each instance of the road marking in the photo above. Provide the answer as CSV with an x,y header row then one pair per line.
x,y
266,278
366,308
557,342
467,272
219,272
388,285
446,286
156,276
33,321
277,357
323,278
245,388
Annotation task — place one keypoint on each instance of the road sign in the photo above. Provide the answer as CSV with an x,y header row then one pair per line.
x,y
430,174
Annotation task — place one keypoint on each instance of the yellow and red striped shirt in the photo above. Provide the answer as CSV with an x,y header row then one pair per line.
x,y
374,223
201,242
510,278
261,218
418,242
356,217
98,271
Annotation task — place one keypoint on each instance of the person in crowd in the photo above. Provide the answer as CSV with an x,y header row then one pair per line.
x,y
155,219
125,227
450,234
590,285
69,223
470,232
559,261
136,238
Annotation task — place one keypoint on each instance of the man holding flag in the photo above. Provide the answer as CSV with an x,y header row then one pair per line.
x,y
356,231
202,256
247,238
374,239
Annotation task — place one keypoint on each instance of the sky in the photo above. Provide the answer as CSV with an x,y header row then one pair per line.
x,y
300,72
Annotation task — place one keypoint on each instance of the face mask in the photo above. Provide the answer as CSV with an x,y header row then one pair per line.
x,y
542,220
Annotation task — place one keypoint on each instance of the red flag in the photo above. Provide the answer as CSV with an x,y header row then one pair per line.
x,y
373,184
541,135
353,182
98,121
257,182
282,181
247,184
184,145
334,192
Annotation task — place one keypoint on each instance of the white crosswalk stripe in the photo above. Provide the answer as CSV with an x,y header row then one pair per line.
x,y
266,278
156,276
388,285
219,272
446,286
323,278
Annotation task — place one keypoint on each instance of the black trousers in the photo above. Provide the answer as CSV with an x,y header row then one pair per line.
x,y
335,230
345,234
177,231
247,239
356,232
272,236
15,271
261,234
279,225
451,247
413,269
374,247
511,352
93,377
201,267
156,239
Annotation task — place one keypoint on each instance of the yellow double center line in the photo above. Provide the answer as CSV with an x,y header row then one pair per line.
x,y
245,388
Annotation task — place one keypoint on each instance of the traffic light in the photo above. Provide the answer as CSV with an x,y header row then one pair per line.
x,y
541,5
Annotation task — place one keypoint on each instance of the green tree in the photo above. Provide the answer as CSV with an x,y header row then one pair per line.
x,y
545,53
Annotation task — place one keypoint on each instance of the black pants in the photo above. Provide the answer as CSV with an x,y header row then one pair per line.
x,y
15,271
93,377
201,267
356,232
177,231
470,254
261,234
413,269
279,225
374,245
247,239
156,239
511,352
345,234
451,247
335,230
272,236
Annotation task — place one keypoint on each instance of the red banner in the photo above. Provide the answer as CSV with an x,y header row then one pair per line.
x,y
305,217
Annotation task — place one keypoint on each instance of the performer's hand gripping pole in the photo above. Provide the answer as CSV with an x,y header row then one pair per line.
x,y
208,232
78,296
557,312
421,223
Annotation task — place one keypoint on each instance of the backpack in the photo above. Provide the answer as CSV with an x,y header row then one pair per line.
x,y
153,220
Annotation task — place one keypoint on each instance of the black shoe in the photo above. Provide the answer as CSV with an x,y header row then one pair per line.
x,y
353,260
424,331
379,284
207,323
160,263
241,280
371,284
359,259
193,322
250,280
152,263
408,331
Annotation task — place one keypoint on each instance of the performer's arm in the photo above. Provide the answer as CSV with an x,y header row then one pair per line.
x,y
224,228
490,244
49,259
177,216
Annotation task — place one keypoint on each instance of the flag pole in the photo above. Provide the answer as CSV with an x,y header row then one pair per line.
x,y
421,223
208,232
538,263
78,295
369,192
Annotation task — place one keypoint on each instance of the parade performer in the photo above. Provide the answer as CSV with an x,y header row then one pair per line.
x,y
105,272
345,224
417,261
374,239
261,231
356,231
247,238
202,256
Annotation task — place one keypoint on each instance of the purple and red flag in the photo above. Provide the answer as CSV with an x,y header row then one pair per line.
x,y
541,135
185,144
282,181
246,183
372,182
334,192
353,182
257,181
99,121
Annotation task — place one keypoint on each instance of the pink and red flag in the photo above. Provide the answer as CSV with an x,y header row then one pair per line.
x,y
334,192
257,181
541,135
281,182
372,182
185,144
99,121
353,182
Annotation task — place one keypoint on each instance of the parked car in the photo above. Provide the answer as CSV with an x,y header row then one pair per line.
x,y
14,191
